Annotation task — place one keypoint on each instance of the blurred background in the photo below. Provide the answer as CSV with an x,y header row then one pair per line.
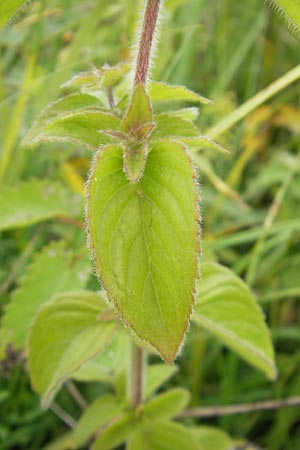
x,y
228,51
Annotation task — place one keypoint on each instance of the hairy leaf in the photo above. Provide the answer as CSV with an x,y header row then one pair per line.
x,y
33,201
98,413
226,307
163,92
66,332
145,240
200,142
164,435
8,8
80,126
168,125
167,404
290,9
55,269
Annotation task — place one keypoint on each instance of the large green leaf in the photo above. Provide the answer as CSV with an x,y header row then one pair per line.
x,y
66,332
33,201
97,414
226,307
55,269
145,238
164,435
8,8
291,11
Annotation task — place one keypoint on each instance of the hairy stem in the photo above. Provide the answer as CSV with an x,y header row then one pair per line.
x,y
136,375
146,41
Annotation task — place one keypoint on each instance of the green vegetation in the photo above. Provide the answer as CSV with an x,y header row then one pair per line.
x,y
67,94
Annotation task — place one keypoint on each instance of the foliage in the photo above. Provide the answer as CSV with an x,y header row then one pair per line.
x,y
75,334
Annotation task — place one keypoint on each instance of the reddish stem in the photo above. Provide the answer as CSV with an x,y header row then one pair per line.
x,y
146,40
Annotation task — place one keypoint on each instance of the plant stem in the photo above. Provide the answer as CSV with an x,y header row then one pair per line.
x,y
136,374
215,411
146,41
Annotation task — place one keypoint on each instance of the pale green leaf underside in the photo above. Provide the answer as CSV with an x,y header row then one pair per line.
x,y
55,269
144,238
8,8
163,92
97,414
164,435
33,201
157,374
291,11
66,333
227,308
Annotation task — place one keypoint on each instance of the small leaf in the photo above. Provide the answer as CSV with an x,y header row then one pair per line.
x,y
163,92
157,374
200,142
138,119
145,239
164,435
66,333
290,9
53,270
9,8
167,405
79,127
111,76
226,307
168,125
212,438
134,161
97,414
116,432
33,201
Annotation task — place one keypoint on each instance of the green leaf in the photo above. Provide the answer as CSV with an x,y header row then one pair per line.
x,y
145,238
111,76
168,125
163,435
33,201
157,374
109,363
9,8
55,269
167,405
138,119
66,333
80,126
290,9
226,307
163,92
64,442
212,438
116,432
97,414
200,142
